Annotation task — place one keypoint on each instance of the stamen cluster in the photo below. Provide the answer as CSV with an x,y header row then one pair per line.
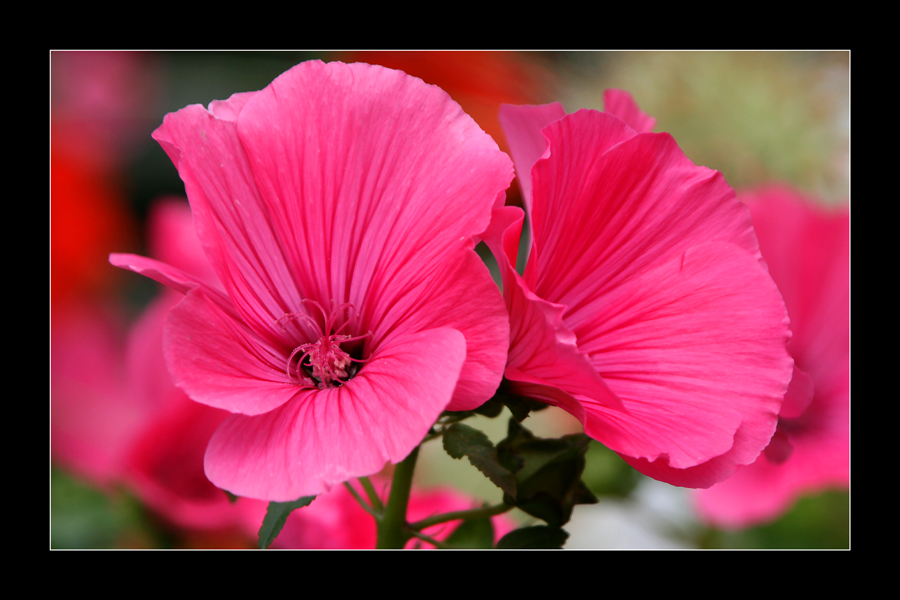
x,y
323,360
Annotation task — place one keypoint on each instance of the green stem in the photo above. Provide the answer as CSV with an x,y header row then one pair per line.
x,y
392,532
475,513
429,539
372,494
359,499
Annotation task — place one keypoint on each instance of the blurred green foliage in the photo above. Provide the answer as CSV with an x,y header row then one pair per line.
x,y
606,474
82,516
754,116
820,521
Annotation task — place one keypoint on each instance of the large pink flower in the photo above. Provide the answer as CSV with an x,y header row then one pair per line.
x,y
807,249
338,207
645,309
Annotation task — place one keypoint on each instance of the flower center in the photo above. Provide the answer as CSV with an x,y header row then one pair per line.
x,y
323,363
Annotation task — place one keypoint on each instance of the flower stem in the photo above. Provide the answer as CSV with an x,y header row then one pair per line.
x,y
392,532
359,499
475,513
372,494
429,539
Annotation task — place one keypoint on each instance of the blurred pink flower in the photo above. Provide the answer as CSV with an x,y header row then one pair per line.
x,y
335,520
93,418
645,309
338,208
807,249
116,416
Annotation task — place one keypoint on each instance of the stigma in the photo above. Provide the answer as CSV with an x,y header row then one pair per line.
x,y
322,363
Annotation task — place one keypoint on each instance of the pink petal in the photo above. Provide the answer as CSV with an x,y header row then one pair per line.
x,y
232,223
353,176
173,277
165,467
654,272
220,362
807,250
696,351
762,491
149,381
638,203
325,437
547,351
522,126
621,104
463,296
173,240
92,414
228,110
545,356
799,394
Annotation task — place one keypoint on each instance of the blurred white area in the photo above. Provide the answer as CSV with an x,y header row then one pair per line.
x,y
657,516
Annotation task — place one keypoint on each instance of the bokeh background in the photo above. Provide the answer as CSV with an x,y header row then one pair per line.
x,y
757,117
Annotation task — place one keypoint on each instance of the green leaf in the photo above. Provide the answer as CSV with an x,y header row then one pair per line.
x,y
538,536
492,408
276,515
473,533
547,472
447,417
231,497
519,406
461,440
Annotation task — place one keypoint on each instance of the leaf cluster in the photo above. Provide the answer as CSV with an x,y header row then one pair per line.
x,y
540,476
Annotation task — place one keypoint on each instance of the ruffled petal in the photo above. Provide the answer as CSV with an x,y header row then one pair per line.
x,y
326,437
220,362
696,350
621,104
353,176
522,126
620,212
543,352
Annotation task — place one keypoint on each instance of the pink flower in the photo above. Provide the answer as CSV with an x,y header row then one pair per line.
x,y
117,418
335,520
93,418
645,309
338,208
807,249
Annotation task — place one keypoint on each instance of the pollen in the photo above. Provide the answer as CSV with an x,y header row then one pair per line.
x,y
323,363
